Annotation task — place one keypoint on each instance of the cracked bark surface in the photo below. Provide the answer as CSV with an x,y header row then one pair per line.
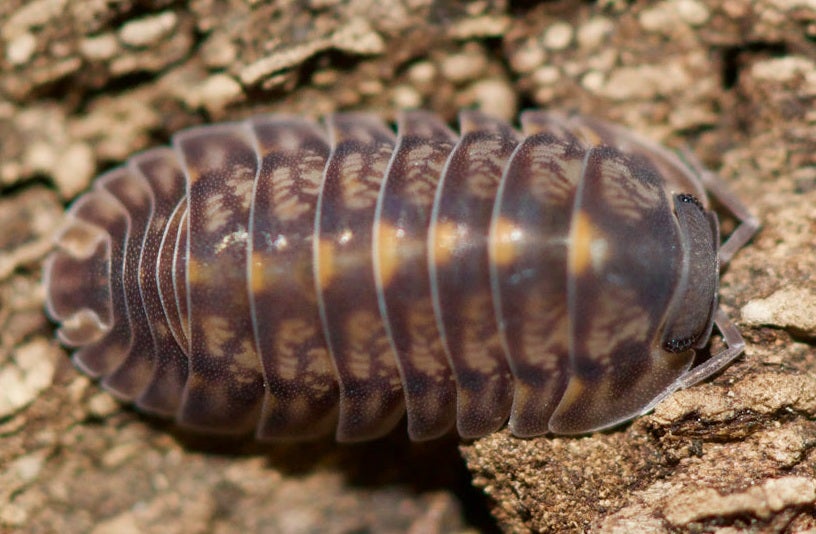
x,y
84,84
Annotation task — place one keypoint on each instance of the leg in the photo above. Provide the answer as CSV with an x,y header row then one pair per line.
x,y
719,190
749,224
734,347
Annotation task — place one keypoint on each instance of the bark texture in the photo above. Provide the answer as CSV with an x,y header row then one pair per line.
x,y
85,83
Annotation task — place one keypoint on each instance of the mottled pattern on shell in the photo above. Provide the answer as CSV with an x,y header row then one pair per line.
x,y
278,276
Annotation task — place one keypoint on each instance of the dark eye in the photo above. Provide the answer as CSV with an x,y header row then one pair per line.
x,y
688,198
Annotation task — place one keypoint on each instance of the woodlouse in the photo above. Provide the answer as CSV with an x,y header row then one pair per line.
x,y
276,275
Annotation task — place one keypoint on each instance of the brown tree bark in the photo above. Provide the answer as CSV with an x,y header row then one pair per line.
x,y
85,83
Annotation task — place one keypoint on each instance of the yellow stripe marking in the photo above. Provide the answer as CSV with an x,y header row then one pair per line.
x,y
575,389
445,242
389,246
588,247
325,262
196,272
505,241
257,274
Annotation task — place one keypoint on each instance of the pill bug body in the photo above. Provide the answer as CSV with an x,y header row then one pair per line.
x,y
297,279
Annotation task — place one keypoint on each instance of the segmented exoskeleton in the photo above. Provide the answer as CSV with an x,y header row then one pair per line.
x,y
297,279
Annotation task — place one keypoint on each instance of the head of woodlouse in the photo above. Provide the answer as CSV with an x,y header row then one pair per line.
x,y
691,315
276,275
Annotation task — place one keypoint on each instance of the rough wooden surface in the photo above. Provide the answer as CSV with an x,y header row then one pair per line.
x,y
85,83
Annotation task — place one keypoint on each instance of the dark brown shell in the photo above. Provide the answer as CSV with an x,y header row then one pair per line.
x,y
276,275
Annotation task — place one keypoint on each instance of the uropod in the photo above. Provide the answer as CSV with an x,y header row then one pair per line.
x,y
298,279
